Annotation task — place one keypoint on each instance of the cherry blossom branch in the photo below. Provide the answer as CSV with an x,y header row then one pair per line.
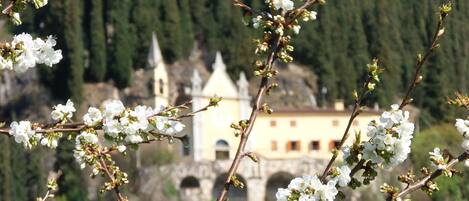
x,y
104,166
423,182
355,112
421,60
263,88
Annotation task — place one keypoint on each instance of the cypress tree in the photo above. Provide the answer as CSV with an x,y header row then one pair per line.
x,y
97,46
5,170
63,18
170,30
145,21
122,42
70,182
187,35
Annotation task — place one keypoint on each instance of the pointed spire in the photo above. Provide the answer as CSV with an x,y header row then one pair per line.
x,y
243,85
242,82
219,64
196,82
154,55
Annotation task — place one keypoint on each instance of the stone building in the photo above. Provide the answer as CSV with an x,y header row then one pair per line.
x,y
292,141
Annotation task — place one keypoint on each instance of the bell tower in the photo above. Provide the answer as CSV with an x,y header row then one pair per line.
x,y
160,75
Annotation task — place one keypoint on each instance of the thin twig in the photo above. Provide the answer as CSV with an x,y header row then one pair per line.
x,y
355,112
104,166
240,153
420,62
423,182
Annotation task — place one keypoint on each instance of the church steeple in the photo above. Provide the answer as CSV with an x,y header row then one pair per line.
x,y
160,75
219,64
154,55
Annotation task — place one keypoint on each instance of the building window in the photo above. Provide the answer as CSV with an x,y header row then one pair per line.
x,y
335,122
293,123
161,83
294,146
334,144
273,123
222,150
315,145
273,145
356,123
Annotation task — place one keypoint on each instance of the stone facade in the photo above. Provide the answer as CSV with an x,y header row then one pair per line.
x,y
258,177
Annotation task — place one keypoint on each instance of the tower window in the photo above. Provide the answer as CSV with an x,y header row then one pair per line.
x,y
161,87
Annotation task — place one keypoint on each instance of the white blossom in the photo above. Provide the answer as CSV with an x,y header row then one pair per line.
x,y
282,194
113,108
164,125
285,5
256,22
462,125
46,53
437,159
296,29
22,132
92,117
62,112
343,176
28,52
390,138
308,188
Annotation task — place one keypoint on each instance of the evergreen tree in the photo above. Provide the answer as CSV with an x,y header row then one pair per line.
x,y
122,42
187,35
70,182
63,18
5,170
146,21
170,30
97,45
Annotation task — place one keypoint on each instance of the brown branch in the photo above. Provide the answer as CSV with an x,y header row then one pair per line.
x,y
420,62
7,10
264,84
423,182
355,112
104,166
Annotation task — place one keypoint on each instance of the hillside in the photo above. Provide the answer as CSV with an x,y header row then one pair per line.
x,y
115,37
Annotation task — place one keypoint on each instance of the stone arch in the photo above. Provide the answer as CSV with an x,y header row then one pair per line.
x,y
275,181
189,189
222,150
235,194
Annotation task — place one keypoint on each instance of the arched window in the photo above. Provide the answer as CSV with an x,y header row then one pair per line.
x,y
190,182
161,85
222,150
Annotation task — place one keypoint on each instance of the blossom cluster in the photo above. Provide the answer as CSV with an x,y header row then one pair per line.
x,y
310,188
121,126
437,159
462,125
24,52
132,126
389,138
